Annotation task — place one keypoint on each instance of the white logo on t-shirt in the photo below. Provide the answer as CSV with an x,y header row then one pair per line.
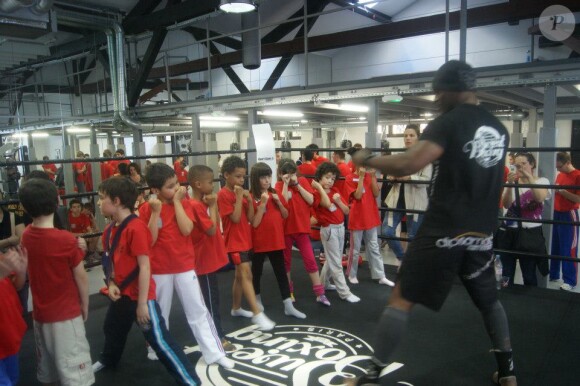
x,y
487,146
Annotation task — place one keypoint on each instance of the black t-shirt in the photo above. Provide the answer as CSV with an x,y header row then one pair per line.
x,y
5,226
467,178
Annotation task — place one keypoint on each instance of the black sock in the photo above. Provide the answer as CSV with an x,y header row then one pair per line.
x,y
390,329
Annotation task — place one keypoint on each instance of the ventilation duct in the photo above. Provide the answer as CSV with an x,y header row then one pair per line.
x,y
251,45
27,19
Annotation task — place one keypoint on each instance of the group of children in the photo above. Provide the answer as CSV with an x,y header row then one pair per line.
x,y
175,244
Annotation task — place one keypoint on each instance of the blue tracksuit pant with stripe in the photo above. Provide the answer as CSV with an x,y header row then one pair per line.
x,y
565,243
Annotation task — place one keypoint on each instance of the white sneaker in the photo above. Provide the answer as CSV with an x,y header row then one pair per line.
x,y
386,281
264,323
241,312
225,362
151,354
98,366
353,280
352,299
567,287
330,287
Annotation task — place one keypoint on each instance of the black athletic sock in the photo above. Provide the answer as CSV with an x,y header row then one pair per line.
x,y
391,327
505,364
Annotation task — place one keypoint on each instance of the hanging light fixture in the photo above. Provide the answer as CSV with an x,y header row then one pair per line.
x,y
237,6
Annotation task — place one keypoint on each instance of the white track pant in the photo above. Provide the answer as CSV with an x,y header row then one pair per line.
x,y
372,253
332,238
198,317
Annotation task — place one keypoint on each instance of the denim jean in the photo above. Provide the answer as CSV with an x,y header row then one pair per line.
x,y
391,231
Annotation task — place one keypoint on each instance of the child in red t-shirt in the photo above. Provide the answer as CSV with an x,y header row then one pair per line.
x,y
180,171
132,289
236,212
12,278
81,223
60,290
330,211
169,218
208,243
80,171
270,210
307,168
298,193
362,189
49,168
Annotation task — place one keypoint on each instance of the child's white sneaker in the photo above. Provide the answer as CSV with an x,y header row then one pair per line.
x,y
352,299
241,312
151,354
264,323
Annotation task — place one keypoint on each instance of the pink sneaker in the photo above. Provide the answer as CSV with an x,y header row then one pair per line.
x,y
323,300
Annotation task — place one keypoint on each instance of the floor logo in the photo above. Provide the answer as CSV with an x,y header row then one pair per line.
x,y
290,355
557,23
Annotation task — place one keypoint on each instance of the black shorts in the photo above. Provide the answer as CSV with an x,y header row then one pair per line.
x,y
432,262
237,258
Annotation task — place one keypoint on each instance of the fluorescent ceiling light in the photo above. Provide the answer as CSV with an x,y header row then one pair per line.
x,y
393,98
78,130
218,118
281,113
19,135
237,6
217,124
577,86
304,121
362,118
356,108
40,135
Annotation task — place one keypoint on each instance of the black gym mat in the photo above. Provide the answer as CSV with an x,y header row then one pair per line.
x,y
446,348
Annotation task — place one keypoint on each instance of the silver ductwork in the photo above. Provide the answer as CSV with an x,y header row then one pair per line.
x,y
36,6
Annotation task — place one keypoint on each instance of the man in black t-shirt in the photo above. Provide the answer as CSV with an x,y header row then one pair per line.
x,y
466,145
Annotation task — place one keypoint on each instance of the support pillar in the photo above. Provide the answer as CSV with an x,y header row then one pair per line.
x,y
138,147
252,120
372,137
197,145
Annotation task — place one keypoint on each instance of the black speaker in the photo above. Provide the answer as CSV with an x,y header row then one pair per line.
x,y
286,145
234,146
346,143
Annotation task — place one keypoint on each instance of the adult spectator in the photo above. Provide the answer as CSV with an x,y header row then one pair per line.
x,y
530,207
565,236
135,174
405,195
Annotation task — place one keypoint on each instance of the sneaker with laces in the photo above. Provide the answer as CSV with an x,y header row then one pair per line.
x,y
567,287
98,366
228,346
264,323
151,354
322,299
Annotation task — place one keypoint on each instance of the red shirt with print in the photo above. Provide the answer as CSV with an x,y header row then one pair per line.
x,y
237,236
134,241
55,295
13,325
180,172
172,251
269,235
298,220
210,251
327,216
364,213
79,224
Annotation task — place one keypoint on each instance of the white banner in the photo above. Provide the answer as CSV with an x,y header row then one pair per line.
x,y
265,148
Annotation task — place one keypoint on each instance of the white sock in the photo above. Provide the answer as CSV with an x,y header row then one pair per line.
x,y
259,302
241,312
290,310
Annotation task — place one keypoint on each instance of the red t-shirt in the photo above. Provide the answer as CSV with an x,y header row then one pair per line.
x,y
135,241
351,166
561,203
269,235
307,170
237,236
89,178
298,220
106,170
314,229
327,216
13,326
52,255
318,159
364,213
180,172
80,224
210,251
77,166
115,165
52,168
172,252
344,170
